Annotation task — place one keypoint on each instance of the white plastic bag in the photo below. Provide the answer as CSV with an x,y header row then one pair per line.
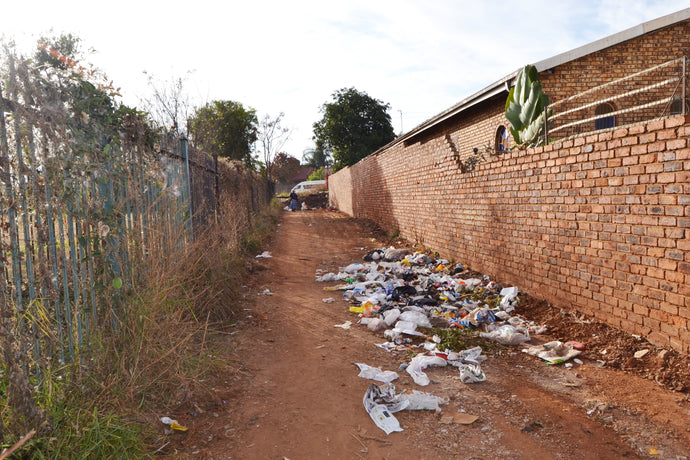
x,y
419,318
507,335
391,316
421,362
375,373
377,325
419,400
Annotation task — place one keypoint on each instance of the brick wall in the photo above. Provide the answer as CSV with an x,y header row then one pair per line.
x,y
600,223
624,60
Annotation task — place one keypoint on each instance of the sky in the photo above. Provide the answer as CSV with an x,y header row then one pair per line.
x,y
419,56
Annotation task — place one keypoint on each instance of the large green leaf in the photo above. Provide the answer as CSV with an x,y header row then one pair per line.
x,y
525,107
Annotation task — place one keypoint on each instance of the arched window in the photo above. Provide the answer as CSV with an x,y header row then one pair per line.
x,y
502,141
604,122
677,107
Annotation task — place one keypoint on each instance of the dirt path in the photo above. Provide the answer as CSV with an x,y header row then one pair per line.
x,y
292,391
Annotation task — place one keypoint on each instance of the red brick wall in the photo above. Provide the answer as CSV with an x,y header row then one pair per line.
x,y
622,60
600,223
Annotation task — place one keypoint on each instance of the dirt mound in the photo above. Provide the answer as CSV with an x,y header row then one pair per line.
x,y
317,200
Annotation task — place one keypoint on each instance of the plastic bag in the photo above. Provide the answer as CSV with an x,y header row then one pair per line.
x,y
509,294
376,325
554,352
506,335
469,356
416,317
375,373
419,400
391,316
421,362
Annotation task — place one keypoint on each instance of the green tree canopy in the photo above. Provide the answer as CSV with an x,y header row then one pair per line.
x,y
317,157
225,128
96,117
353,126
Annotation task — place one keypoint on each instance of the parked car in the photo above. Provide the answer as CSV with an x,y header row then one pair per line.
x,y
309,186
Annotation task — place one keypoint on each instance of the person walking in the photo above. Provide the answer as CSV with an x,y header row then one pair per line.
x,y
294,202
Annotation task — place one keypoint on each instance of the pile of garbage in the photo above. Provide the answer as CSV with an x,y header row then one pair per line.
x,y
396,292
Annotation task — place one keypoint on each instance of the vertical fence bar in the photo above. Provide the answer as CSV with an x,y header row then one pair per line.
x,y
65,285
188,184
6,166
71,239
52,245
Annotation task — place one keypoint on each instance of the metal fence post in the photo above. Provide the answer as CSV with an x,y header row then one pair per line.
x,y
185,154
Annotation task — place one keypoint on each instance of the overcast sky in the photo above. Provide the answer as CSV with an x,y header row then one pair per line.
x,y
421,57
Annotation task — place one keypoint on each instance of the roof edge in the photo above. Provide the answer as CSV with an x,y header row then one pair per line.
x,y
612,40
545,64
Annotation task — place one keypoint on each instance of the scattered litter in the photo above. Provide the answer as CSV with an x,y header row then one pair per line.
x,y
401,295
375,373
267,292
652,451
641,353
173,424
379,413
264,255
381,402
328,300
577,361
554,352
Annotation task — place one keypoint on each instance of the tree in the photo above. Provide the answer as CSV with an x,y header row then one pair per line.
x,y
318,174
226,129
271,138
317,157
285,167
353,126
90,97
169,104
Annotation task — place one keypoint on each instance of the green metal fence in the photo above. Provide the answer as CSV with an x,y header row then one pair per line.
x,y
82,208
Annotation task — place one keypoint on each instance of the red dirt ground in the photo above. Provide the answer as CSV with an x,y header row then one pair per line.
x,y
290,388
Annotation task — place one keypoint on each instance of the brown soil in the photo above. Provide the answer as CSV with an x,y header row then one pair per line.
x,y
290,388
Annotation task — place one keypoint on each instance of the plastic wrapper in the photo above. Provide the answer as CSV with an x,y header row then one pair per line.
x,y
471,373
381,402
469,356
381,415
